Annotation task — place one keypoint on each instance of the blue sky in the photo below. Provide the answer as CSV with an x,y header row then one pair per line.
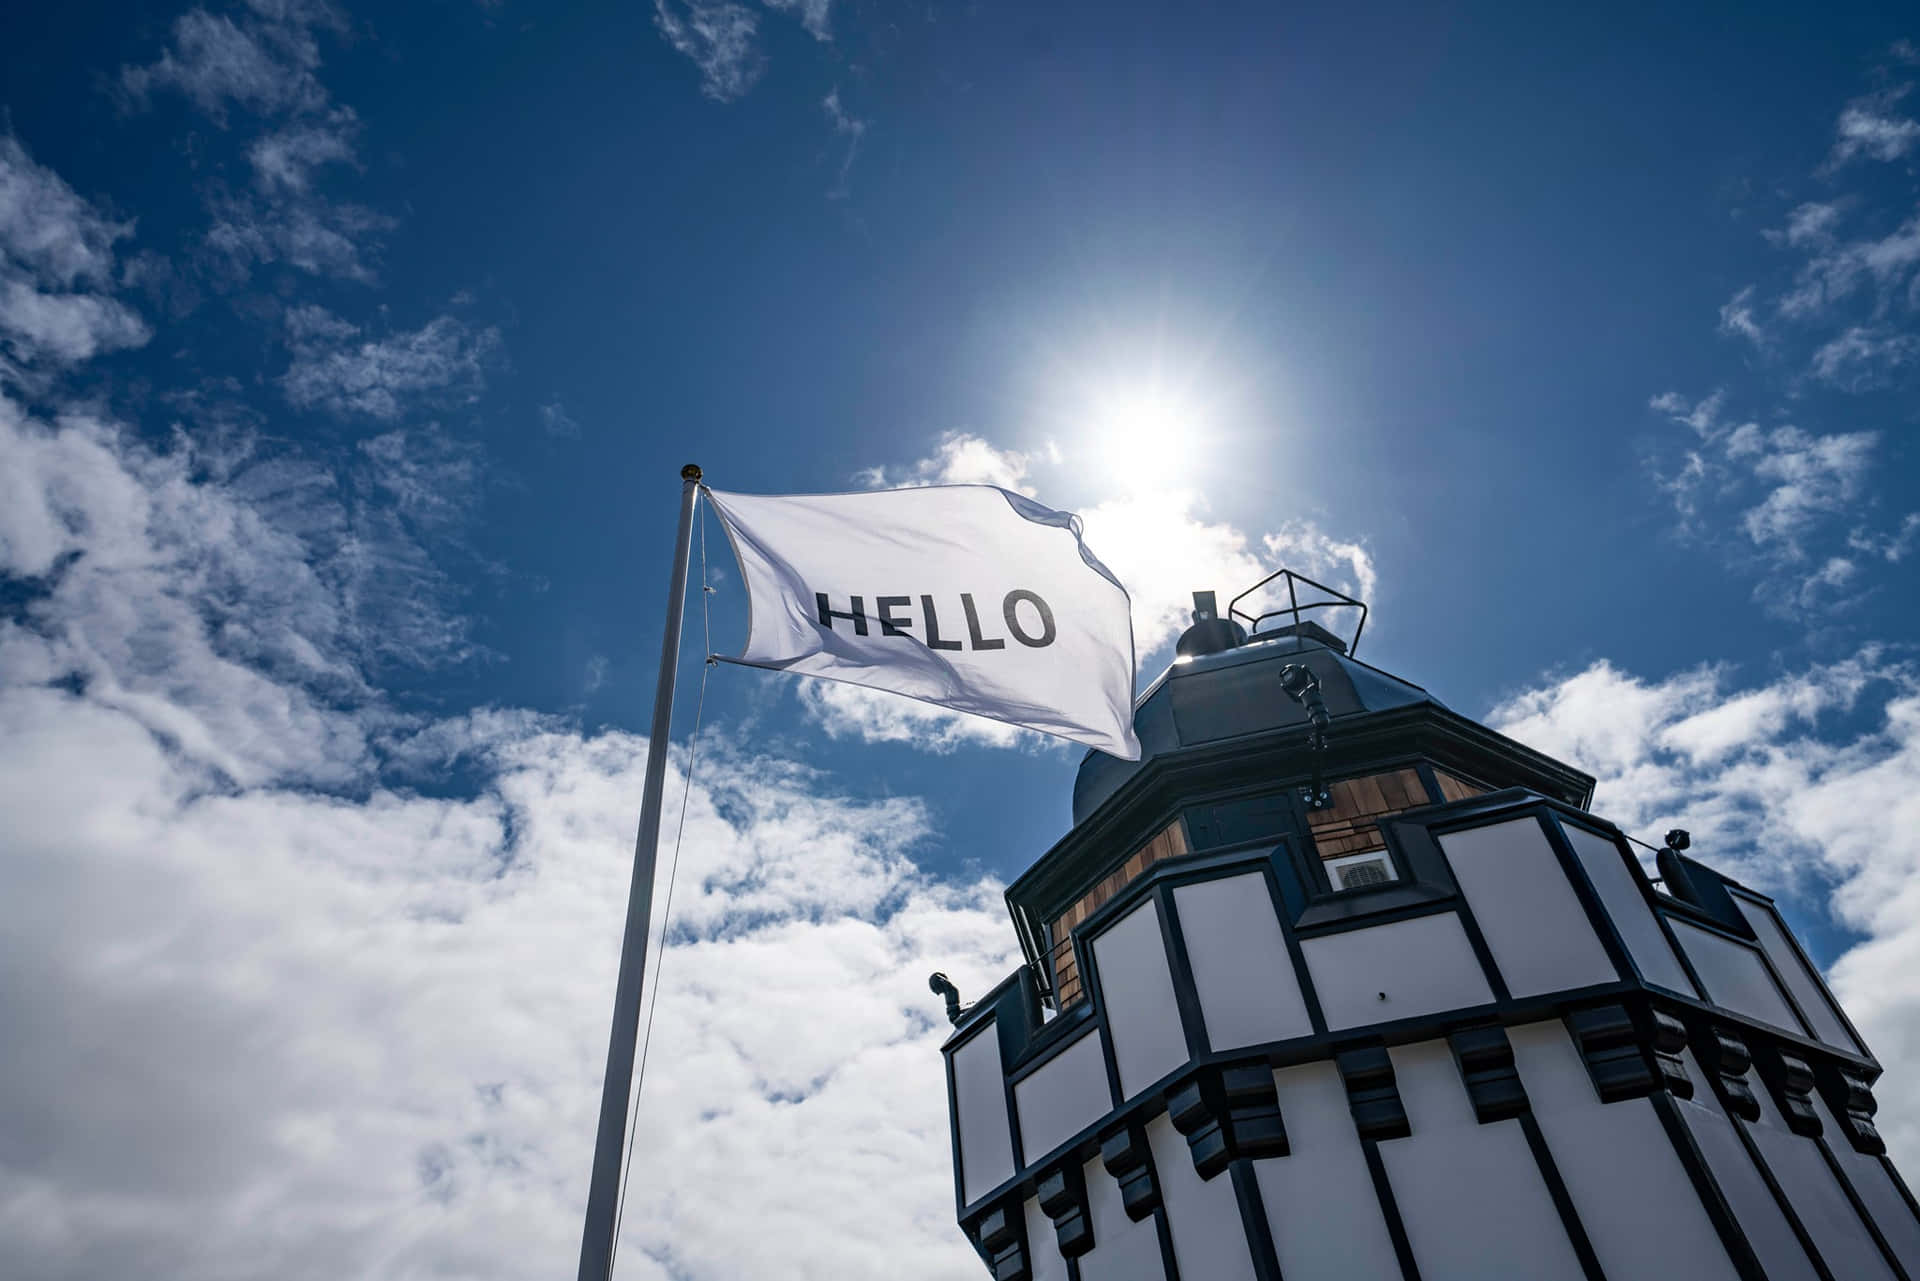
x,y
349,358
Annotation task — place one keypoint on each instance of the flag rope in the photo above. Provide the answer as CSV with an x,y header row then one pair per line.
x,y
666,915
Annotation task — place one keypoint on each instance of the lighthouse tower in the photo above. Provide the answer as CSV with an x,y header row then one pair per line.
x,y
1335,982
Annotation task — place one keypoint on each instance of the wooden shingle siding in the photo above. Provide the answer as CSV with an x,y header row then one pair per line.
x,y
1456,789
1169,842
1350,823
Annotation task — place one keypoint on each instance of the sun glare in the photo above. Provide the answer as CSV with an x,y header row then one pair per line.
x,y
1144,437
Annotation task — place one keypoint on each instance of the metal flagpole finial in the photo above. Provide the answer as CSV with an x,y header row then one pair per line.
x,y
690,472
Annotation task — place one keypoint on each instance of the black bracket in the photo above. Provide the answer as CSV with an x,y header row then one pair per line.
x,y
1303,687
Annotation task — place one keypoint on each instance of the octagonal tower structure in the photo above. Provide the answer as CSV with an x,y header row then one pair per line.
x,y
1379,997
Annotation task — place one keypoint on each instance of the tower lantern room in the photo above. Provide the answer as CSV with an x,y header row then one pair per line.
x,y
1335,982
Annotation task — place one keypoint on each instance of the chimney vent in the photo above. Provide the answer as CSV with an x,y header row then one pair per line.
x,y
1210,633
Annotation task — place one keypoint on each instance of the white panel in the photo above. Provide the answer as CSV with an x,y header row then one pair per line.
x,y
1062,1098
1874,1186
1043,1245
1248,990
1753,1206
1534,925
1320,1200
979,1090
1805,985
1422,965
1208,1238
1142,1016
1620,894
1628,1186
1816,1196
1736,977
1122,1249
1470,1195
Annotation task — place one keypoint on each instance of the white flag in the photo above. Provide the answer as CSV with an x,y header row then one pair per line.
x,y
965,596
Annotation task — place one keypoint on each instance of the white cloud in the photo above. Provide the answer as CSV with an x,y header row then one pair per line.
x,y
65,328
1702,415
263,65
48,230
1796,497
336,239
1870,127
961,458
1811,478
1837,271
268,63
720,37
443,362
1796,507
1893,546
1344,566
229,595
875,716
813,15
1779,790
1737,318
851,128
1865,357
179,605
555,421
352,1030
56,270
285,160
1809,225
364,1037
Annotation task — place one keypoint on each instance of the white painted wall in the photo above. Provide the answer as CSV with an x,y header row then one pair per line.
x,y
986,1144
1747,1196
1620,894
1067,1094
1423,965
1320,1201
1248,991
1122,1249
1626,1181
1875,1188
1043,1245
1816,1196
1805,985
1470,1195
1209,1240
1534,925
1142,1016
1736,977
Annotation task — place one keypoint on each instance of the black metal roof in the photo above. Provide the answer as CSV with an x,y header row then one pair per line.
x,y
1237,691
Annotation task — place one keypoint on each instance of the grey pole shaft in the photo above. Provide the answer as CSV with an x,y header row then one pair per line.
x,y
603,1197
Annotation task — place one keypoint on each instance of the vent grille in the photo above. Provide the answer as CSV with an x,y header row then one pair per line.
x,y
1372,872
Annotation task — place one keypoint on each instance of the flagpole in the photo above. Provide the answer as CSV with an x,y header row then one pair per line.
x,y
603,1197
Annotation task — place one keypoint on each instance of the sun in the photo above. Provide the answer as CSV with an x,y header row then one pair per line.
x,y
1144,436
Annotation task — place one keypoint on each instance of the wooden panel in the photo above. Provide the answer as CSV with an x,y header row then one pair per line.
x,y
1403,789
1456,789
1367,791
1350,823
1169,842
